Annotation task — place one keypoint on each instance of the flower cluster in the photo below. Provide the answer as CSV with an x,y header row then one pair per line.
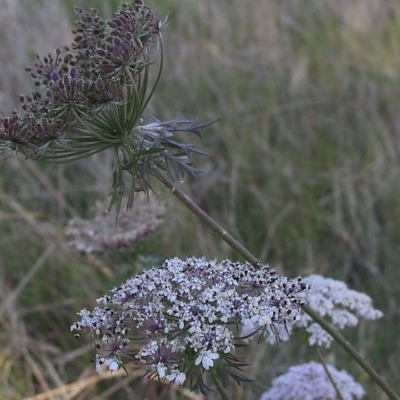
x,y
90,96
101,234
341,306
331,299
187,313
311,382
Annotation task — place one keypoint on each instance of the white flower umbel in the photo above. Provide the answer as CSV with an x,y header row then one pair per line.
x,y
334,301
186,314
311,382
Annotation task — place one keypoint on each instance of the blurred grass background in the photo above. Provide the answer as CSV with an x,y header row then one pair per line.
x,y
304,171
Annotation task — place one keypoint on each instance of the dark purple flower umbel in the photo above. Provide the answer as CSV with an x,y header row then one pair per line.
x,y
91,96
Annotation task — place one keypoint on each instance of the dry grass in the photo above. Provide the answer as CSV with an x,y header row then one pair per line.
x,y
27,28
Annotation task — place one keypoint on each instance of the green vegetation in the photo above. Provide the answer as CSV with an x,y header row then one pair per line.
x,y
305,172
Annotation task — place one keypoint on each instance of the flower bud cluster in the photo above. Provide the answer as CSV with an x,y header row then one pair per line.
x,y
90,96
187,313
78,80
119,55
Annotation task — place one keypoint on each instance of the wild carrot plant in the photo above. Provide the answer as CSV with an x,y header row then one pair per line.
x,y
189,316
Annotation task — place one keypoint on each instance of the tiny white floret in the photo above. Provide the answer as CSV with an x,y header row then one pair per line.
x,y
206,359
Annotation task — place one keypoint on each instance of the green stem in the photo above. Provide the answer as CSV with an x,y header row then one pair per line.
x,y
352,351
329,375
160,69
92,130
210,222
224,235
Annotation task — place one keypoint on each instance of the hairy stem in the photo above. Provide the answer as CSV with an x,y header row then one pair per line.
x,y
246,254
